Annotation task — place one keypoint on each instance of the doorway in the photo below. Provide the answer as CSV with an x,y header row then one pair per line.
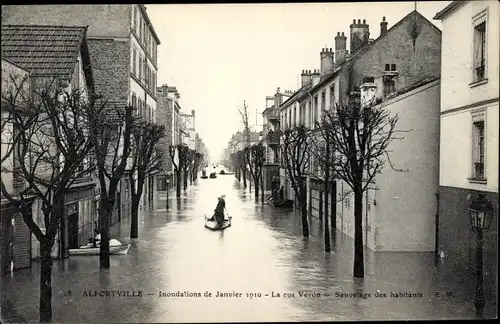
x,y
73,230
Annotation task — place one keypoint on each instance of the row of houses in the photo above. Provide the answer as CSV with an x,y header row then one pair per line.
x,y
107,49
445,90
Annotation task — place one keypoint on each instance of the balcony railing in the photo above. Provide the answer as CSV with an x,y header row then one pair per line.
x,y
479,170
273,138
273,114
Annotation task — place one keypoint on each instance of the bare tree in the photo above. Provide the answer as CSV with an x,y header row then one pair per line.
x,y
361,134
198,159
47,138
295,154
323,148
146,160
246,132
112,143
256,158
183,152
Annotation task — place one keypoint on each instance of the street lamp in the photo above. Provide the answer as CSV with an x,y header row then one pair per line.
x,y
168,189
481,215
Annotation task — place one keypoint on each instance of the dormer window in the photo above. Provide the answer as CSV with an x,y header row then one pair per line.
x,y
389,77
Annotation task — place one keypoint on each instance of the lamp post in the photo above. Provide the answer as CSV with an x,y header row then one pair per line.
x,y
168,189
481,214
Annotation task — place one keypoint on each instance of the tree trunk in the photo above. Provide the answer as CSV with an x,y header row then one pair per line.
x,y
179,182
190,175
327,226
244,178
105,211
185,179
359,268
257,187
262,187
134,224
303,201
46,281
334,205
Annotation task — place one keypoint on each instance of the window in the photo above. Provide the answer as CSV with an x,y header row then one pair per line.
x,y
478,145
140,67
332,96
133,16
134,101
323,101
136,20
479,59
315,107
302,114
134,68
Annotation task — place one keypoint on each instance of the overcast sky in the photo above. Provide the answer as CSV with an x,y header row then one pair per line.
x,y
218,55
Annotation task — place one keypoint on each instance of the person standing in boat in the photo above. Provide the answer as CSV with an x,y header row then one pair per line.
x,y
219,210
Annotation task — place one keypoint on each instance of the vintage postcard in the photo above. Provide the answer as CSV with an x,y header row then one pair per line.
x,y
270,162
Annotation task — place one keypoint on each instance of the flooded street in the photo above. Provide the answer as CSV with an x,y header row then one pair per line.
x,y
262,265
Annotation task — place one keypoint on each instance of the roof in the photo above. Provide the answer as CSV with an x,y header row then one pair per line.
x,y
43,50
448,9
364,49
143,8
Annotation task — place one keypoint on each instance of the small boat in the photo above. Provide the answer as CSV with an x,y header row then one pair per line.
x,y
204,177
212,224
213,175
115,247
222,172
287,203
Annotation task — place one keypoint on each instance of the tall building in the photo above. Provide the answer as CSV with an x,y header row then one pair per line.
x,y
71,65
399,70
122,46
271,136
469,131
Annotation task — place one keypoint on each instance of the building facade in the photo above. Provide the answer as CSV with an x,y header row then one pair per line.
x,y
469,130
271,136
400,68
122,44
19,48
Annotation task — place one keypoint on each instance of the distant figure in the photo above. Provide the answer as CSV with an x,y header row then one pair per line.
x,y
282,193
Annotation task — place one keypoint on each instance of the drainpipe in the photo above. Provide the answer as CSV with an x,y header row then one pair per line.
x,y
436,238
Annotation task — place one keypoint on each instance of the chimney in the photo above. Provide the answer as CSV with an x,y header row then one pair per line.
x,y
193,114
360,34
305,77
340,48
383,26
315,77
326,55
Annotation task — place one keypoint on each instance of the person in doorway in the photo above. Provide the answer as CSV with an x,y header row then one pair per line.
x,y
282,193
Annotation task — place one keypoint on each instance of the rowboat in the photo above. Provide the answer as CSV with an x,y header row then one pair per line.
x,y
287,203
213,175
212,224
115,247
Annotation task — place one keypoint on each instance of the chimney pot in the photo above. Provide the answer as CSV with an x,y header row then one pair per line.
x,y
359,21
354,21
342,33
338,33
364,21
383,18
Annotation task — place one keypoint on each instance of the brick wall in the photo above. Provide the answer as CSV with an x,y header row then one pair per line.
x,y
164,117
103,20
459,243
110,62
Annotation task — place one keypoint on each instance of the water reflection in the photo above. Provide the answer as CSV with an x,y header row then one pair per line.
x,y
263,252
